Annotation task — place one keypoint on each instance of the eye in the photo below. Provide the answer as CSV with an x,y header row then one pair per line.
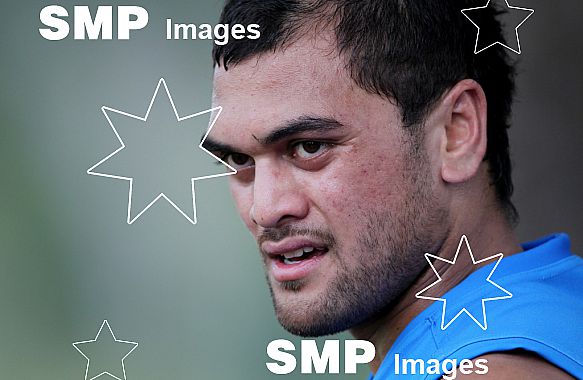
x,y
308,149
238,160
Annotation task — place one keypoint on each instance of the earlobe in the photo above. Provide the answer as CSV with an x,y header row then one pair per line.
x,y
465,131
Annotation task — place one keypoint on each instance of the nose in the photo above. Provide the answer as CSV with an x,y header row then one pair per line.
x,y
277,196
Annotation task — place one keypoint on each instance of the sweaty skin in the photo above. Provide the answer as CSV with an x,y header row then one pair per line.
x,y
360,186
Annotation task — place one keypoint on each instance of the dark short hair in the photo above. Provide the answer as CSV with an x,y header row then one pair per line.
x,y
409,51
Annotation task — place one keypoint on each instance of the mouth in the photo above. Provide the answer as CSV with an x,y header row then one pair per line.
x,y
298,256
291,260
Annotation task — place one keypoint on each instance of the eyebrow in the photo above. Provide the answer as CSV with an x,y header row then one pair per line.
x,y
215,146
300,125
290,128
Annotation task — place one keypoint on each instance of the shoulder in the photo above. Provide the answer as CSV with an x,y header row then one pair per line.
x,y
517,364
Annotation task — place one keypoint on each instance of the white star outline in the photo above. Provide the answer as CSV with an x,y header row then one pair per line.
x,y
484,325
105,109
519,51
105,323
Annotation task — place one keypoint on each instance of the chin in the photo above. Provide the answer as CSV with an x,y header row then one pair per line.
x,y
304,311
300,323
308,322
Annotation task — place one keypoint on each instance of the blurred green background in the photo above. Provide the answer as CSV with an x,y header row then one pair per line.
x,y
193,297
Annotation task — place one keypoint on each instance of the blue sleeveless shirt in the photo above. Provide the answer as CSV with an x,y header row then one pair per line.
x,y
544,316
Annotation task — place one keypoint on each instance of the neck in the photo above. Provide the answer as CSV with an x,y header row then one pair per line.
x,y
485,239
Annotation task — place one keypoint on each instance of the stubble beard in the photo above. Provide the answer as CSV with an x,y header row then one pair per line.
x,y
390,248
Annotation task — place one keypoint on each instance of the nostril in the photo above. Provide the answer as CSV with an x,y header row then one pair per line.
x,y
252,215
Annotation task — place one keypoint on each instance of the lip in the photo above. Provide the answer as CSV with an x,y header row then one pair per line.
x,y
290,272
275,249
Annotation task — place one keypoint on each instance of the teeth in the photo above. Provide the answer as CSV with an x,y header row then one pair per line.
x,y
289,256
291,262
294,254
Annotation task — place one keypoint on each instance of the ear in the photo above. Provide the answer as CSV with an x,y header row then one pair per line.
x,y
463,150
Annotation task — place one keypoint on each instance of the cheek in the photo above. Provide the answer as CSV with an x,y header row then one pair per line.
x,y
355,189
243,198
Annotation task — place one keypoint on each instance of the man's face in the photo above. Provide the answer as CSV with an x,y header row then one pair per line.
x,y
329,183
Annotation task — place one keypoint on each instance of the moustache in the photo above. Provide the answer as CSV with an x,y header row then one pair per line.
x,y
323,236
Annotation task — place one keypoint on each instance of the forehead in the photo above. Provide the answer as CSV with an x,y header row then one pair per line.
x,y
299,63
307,78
